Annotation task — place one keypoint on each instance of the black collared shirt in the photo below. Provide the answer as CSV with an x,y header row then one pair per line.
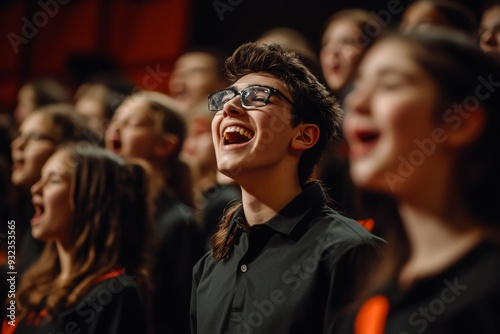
x,y
289,275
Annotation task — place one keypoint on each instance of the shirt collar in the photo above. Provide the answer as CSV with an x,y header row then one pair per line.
x,y
287,218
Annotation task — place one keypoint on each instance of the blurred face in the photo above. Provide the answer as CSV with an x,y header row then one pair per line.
x,y
198,150
392,106
52,199
93,110
421,16
341,52
195,75
132,132
489,31
256,139
25,103
31,149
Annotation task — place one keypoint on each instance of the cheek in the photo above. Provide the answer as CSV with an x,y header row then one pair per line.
x,y
133,138
61,201
405,122
38,156
325,56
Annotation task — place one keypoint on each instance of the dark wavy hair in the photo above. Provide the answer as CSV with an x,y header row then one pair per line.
x,y
459,67
314,104
110,224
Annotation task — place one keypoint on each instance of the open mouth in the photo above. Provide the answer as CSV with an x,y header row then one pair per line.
x,y
367,136
236,135
17,164
116,144
363,142
335,69
39,211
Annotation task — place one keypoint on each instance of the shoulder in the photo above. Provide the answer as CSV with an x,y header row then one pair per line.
x,y
110,306
204,264
112,291
175,218
335,228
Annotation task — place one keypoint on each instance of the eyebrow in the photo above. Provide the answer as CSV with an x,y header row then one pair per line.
x,y
248,85
53,173
392,71
389,71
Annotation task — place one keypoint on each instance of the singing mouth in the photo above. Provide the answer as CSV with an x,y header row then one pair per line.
x,y
39,210
367,136
17,164
116,144
236,135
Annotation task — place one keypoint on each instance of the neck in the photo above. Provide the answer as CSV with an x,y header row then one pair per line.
x,y
65,262
437,240
263,199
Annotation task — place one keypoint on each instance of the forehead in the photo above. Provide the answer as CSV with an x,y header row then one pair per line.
x,y
260,79
341,26
195,60
36,121
58,162
134,107
423,11
389,54
491,16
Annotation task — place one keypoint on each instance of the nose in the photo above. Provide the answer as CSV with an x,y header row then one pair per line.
x,y
487,38
112,131
233,107
18,143
36,189
176,82
330,51
113,127
357,101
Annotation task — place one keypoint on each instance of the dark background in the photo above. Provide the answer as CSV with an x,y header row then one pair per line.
x,y
141,36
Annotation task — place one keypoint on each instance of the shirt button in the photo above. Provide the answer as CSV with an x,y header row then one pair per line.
x,y
244,268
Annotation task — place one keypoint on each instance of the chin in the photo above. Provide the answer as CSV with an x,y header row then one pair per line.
x,y
231,172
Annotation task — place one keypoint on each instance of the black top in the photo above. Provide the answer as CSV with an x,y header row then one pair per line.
x,y
465,298
215,201
113,306
177,245
289,275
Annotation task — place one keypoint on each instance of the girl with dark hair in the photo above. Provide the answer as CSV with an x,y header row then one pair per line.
x,y
346,37
91,212
420,125
39,135
149,125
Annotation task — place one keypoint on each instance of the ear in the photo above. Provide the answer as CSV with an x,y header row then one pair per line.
x,y
466,129
165,145
307,136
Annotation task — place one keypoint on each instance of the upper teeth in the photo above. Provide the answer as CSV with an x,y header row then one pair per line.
x,y
241,131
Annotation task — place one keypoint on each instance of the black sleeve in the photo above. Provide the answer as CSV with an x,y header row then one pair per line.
x,y
350,276
174,256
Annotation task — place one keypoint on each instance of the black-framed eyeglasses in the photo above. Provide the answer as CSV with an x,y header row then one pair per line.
x,y
251,97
